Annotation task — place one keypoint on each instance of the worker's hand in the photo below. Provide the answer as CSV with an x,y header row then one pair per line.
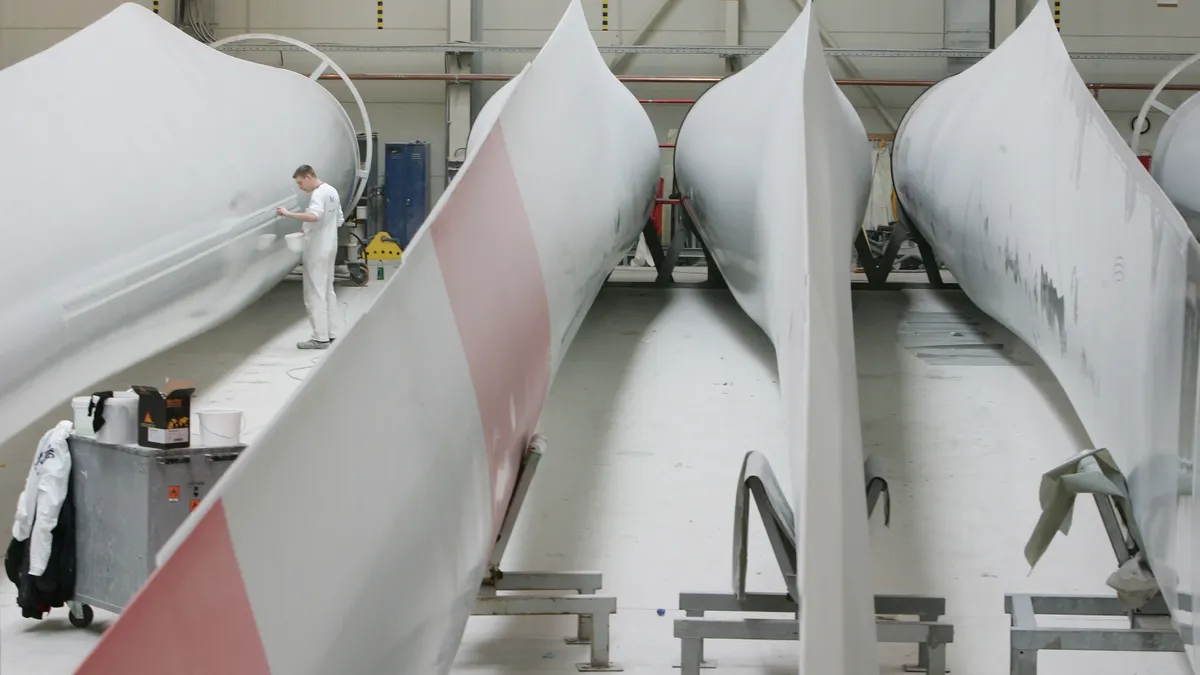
x,y
281,211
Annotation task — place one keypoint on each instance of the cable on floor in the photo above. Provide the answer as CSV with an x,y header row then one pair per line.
x,y
299,368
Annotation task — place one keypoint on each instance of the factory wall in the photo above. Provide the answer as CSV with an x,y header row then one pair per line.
x,y
416,111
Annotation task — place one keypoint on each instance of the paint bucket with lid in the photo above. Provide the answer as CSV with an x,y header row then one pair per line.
x,y
220,428
120,418
83,421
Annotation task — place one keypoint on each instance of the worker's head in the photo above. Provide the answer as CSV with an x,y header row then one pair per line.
x,y
306,178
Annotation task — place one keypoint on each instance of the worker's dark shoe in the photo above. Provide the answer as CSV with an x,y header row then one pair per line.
x,y
312,344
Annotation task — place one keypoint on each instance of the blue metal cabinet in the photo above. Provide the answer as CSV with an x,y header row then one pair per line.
x,y
406,184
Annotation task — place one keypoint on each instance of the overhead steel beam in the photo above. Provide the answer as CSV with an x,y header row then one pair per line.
x,y
618,64
476,47
853,71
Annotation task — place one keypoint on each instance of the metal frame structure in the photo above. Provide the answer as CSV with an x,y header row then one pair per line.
x,y
1027,638
757,481
1149,629
930,636
593,611
710,50
878,269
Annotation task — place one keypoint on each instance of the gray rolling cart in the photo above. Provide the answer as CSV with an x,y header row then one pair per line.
x,y
128,501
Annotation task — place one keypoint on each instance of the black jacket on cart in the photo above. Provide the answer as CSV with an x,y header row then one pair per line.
x,y
37,595
43,533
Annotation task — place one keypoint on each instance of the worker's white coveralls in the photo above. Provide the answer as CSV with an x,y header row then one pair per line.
x,y
320,250
45,491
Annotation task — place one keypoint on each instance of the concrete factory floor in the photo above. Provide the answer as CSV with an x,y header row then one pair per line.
x,y
660,396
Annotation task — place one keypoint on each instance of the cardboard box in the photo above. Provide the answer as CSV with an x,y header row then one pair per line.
x,y
164,420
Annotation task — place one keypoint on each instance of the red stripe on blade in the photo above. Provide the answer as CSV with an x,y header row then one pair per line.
x,y
193,616
489,262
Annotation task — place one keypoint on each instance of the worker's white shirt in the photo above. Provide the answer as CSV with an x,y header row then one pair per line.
x,y
326,205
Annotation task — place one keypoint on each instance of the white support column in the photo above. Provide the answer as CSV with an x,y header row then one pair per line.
x,y
458,94
1004,21
733,33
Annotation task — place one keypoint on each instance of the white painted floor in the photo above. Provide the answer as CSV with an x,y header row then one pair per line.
x,y
659,398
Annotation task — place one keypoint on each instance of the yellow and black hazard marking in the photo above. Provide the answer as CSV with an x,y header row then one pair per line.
x,y
1058,15
604,15
156,6
379,14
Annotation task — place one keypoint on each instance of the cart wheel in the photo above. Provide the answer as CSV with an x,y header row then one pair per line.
x,y
85,620
358,274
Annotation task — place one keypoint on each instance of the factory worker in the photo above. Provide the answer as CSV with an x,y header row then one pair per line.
x,y
320,226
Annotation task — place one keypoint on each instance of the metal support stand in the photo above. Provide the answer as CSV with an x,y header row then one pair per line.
x,y
657,255
1027,638
667,259
878,269
930,636
593,611
1149,628
757,482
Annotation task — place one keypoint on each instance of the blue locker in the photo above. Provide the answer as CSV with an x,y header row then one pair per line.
x,y
406,184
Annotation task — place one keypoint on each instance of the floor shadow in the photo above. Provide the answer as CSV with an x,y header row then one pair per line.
x,y
58,623
204,359
1030,365
577,422
888,438
749,334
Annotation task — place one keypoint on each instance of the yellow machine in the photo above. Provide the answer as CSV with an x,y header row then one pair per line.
x,y
383,251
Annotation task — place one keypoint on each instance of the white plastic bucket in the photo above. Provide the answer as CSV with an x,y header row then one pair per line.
x,y
120,419
220,427
83,422
295,242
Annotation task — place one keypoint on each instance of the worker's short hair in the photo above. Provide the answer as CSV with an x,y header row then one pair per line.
x,y
304,170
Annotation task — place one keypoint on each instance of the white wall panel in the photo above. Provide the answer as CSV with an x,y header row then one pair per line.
x,y
66,13
18,44
684,15
1083,17
28,26
874,16
348,14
